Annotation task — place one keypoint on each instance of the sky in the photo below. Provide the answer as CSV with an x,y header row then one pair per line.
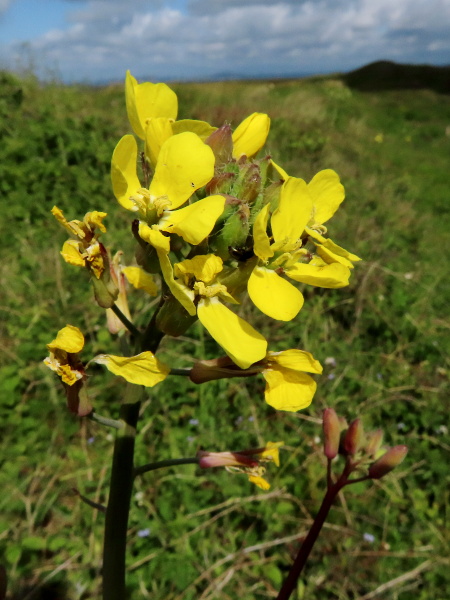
x,y
96,41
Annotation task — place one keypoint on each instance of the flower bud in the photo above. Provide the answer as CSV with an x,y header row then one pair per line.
x,y
393,457
374,441
248,185
235,231
106,289
221,143
173,319
331,432
354,437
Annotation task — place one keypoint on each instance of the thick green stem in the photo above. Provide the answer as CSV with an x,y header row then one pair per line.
x,y
117,511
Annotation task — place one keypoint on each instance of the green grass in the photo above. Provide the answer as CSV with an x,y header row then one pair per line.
x,y
213,535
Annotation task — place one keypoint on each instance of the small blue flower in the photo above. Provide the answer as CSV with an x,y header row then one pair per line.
x,y
142,533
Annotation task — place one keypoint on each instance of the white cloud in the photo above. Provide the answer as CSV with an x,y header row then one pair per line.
x,y
243,37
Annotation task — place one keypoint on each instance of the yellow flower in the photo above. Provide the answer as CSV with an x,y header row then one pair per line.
x,y
194,279
288,387
152,111
143,369
244,461
64,361
85,250
298,203
146,101
185,164
250,136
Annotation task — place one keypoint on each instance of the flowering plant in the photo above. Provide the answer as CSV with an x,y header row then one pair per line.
x,y
214,219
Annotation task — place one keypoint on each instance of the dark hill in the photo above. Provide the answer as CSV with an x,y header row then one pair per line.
x,y
387,75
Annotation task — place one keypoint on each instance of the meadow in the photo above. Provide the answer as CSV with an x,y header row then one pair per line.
x,y
211,535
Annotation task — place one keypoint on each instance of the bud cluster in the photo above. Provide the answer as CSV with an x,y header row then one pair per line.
x,y
364,452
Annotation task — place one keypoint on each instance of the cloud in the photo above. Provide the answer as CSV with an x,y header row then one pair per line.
x,y
242,37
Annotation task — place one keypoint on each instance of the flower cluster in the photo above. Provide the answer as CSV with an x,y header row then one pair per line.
x,y
214,219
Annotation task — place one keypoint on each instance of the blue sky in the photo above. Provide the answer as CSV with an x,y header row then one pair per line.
x,y
97,40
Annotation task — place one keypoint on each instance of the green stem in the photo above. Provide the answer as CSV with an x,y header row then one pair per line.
x,y
121,487
170,462
106,421
182,372
128,324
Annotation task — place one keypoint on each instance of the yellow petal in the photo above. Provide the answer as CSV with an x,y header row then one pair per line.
x,y
251,135
201,128
243,344
147,101
261,241
143,369
158,130
154,237
294,211
69,338
162,244
281,172
94,220
330,257
140,279
272,452
203,267
185,164
288,389
196,221
273,295
259,481
125,182
298,360
334,248
71,253
327,193
333,275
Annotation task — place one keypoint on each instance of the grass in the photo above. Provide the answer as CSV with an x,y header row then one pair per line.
x,y
214,536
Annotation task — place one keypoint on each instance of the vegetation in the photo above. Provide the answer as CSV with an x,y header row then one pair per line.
x,y
203,536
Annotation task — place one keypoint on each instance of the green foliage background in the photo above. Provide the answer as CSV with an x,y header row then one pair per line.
x,y
213,535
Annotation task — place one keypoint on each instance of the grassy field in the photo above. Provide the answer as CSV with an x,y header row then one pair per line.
x,y
211,535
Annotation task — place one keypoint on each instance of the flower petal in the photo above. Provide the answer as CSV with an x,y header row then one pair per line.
x,y
294,211
261,241
288,389
273,295
185,163
125,182
250,136
331,246
327,193
204,267
196,221
141,280
162,244
143,369
297,360
243,344
259,481
281,172
201,128
157,131
333,275
71,253
69,338
146,101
